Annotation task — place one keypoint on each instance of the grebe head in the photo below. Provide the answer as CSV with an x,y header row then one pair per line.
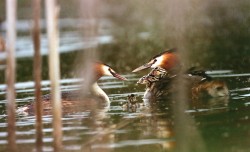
x,y
105,70
217,89
166,60
99,70
214,88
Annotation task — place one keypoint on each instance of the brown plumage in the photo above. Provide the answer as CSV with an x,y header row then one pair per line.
x,y
160,84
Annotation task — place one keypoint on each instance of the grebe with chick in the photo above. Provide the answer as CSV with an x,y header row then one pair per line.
x,y
167,69
72,99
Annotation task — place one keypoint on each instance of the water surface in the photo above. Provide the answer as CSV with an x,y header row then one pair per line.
x,y
217,124
215,37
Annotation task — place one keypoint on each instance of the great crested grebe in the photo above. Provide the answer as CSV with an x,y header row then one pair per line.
x,y
166,69
74,99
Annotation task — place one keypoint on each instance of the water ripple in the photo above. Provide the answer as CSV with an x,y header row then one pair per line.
x,y
132,143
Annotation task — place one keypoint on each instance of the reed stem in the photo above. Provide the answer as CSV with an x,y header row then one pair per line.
x,y
52,12
10,73
37,70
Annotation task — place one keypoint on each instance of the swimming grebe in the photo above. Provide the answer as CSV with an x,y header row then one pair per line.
x,y
74,99
204,85
166,69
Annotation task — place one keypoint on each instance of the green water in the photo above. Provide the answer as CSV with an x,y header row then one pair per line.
x,y
215,37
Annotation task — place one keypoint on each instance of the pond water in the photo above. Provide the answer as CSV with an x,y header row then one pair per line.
x,y
218,126
216,37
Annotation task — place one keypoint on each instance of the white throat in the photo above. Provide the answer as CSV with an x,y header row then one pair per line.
x,y
97,91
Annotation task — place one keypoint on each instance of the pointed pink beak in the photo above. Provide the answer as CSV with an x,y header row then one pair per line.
x,y
119,76
145,66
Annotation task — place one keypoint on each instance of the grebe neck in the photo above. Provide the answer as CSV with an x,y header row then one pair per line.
x,y
97,91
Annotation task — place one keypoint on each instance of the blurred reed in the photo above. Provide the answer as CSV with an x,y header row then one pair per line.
x,y
52,14
10,75
37,70
178,17
88,13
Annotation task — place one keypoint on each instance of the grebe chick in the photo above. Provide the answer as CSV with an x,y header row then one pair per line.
x,y
131,105
70,99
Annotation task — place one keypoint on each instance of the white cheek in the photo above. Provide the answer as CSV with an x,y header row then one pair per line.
x,y
106,71
158,62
